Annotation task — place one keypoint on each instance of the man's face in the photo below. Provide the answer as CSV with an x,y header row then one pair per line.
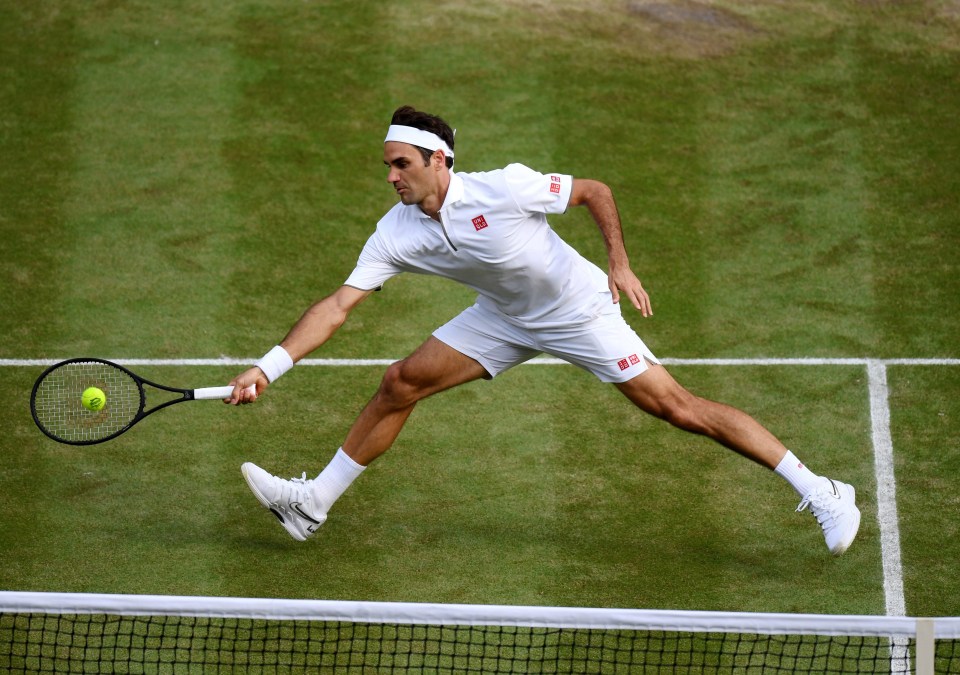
x,y
413,181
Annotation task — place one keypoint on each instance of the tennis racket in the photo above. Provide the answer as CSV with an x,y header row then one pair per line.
x,y
58,409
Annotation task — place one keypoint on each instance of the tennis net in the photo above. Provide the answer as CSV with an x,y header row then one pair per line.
x,y
92,633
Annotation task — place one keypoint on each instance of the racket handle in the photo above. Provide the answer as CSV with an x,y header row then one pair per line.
x,y
214,393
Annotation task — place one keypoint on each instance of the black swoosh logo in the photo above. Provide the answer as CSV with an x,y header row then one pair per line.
x,y
296,507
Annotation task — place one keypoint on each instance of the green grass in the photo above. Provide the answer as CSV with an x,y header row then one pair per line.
x,y
183,179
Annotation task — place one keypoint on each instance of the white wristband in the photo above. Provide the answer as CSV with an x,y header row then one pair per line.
x,y
275,363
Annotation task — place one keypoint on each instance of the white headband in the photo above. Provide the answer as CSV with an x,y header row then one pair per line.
x,y
418,137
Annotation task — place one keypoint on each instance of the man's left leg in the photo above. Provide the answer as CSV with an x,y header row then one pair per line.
x,y
656,392
831,502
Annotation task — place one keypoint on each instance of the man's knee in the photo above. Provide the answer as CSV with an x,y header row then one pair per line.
x,y
684,412
655,392
399,387
395,388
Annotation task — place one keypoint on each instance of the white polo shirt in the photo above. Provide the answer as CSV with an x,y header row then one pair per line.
x,y
494,238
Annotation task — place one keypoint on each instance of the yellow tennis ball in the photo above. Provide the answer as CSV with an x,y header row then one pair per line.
x,y
93,398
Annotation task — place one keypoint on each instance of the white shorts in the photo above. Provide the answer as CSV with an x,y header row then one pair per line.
x,y
606,346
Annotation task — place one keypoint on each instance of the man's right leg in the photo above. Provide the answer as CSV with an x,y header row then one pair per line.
x,y
432,368
300,504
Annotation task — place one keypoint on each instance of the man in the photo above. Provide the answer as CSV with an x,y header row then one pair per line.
x,y
536,295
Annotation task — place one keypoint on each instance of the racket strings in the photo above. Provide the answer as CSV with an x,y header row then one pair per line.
x,y
59,407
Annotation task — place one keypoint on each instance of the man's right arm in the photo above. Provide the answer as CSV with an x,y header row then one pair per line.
x,y
321,321
314,328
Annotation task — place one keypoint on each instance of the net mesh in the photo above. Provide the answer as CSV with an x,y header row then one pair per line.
x,y
58,401
42,642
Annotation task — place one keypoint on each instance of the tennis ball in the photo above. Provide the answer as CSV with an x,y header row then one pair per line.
x,y
93,398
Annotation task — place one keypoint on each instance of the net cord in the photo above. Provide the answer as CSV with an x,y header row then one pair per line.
x,y
470,615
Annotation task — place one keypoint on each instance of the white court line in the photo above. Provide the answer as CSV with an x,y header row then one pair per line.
x,y
886,489
896,604
879,419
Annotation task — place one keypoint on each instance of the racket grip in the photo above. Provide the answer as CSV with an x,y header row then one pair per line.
x,y
218,393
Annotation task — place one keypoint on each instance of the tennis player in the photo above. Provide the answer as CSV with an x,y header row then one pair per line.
x,y
536,295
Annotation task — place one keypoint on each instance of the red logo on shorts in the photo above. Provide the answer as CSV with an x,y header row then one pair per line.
x,y
634,359
479,222
555,184
631,360
623,363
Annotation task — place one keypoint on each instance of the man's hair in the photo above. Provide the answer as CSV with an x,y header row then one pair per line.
x,y
409,116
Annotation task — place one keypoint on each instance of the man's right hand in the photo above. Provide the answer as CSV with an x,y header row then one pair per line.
x,y
241,383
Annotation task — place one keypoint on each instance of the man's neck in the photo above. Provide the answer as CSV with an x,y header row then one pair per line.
x,y
432,204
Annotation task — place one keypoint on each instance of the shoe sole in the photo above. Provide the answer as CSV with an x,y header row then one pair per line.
x,y
268,504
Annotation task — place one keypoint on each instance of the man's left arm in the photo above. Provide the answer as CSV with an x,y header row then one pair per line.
x,y
598,198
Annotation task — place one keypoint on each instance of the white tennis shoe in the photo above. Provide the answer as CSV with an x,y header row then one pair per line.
x,y
834,505
291,501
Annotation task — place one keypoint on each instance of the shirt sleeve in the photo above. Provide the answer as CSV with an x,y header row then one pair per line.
x,y
374,267
537,192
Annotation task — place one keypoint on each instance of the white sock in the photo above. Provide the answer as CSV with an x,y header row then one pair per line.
x,y
334,480
797,474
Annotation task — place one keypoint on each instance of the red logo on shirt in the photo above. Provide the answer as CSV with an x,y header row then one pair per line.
x,y
479,222
555,184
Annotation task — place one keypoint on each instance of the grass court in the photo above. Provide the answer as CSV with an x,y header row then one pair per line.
x,y
180,180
